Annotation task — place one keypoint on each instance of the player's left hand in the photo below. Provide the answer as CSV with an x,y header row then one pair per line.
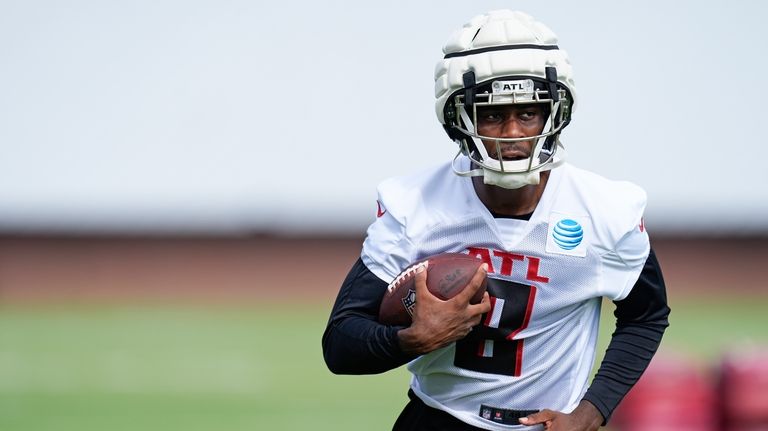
x,y
584,418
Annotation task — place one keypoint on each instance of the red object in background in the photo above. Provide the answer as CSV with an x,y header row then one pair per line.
x,y
672,395
743,389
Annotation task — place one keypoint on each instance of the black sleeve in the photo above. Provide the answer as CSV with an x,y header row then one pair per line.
x,y
354,342
641,319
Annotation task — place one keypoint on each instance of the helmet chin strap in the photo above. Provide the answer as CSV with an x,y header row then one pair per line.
x,y
510,180
507,180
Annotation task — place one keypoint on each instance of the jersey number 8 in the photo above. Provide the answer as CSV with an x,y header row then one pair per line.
x,y
491,347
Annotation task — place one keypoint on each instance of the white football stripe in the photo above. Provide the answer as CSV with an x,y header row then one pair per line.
x,y
488,349
496,313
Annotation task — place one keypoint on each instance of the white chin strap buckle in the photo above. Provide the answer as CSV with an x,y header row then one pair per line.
x,y
510,180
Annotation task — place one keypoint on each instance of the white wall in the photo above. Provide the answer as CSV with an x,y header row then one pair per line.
x,y
240,115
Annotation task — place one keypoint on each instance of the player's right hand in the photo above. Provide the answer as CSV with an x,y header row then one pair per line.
x,y
438,323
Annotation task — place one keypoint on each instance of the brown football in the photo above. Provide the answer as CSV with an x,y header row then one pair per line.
x,y
447,275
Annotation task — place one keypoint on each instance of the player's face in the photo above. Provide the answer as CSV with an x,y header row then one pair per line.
x,y
510,121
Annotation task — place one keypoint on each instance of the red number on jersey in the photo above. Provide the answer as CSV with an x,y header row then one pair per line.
x,y
491,347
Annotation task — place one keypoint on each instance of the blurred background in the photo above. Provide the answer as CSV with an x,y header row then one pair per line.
x,y
184,185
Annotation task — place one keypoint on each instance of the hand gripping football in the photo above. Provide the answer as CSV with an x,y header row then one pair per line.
x,y
447,275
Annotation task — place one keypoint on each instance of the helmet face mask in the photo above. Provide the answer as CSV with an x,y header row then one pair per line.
x,y
516,91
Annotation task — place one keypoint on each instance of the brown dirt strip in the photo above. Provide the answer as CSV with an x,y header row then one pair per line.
x,y
35,269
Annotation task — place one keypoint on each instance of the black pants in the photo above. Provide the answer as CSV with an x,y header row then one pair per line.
x,y
417,416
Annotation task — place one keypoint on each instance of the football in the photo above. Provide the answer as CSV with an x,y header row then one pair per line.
x,y
447,275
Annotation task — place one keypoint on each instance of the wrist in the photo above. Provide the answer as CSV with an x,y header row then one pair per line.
x,y
410,342
407,341
588,414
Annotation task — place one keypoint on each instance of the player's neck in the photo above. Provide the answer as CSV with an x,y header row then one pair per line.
x,y
510,202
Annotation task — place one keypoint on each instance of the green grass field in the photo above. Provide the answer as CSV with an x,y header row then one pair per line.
x,y
239,368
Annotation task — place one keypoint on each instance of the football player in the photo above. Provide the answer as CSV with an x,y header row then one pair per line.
x,y
555,240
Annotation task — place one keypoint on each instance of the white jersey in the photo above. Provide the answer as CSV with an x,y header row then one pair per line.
x,y
536,347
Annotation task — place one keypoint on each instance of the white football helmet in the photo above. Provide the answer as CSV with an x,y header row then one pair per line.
x,y
504,58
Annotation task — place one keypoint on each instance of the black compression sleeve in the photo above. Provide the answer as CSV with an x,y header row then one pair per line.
x,y
641,319
354,342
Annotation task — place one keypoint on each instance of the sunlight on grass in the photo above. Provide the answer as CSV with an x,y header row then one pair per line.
x,y
195,368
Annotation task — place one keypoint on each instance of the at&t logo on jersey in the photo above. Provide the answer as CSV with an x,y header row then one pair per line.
x,y
566,234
